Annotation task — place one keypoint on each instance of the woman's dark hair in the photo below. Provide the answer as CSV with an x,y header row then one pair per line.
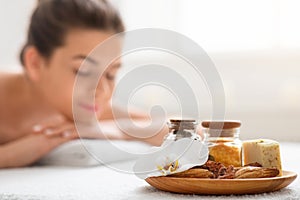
x,y
52,19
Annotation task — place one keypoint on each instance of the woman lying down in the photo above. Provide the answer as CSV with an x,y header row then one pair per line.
x,y
37,114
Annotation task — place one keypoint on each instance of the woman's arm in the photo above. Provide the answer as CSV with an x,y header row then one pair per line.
x,y
29,149
135,125
124,129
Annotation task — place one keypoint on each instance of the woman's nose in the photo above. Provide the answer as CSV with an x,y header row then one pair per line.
x,y
103,88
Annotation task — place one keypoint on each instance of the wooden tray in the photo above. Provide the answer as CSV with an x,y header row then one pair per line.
x,y
221,186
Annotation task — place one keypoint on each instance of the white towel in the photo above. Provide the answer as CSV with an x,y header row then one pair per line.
x,y
94,152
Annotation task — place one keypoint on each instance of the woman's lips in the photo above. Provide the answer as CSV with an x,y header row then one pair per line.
x,y
91,108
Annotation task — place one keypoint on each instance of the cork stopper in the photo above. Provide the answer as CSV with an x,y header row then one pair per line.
x,y
221,124
180,124
221,128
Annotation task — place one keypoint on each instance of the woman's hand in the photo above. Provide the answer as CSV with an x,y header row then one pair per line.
x,y
54,127
32,147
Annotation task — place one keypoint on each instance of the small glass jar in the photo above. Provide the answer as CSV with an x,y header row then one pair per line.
x,y
222,138
185,128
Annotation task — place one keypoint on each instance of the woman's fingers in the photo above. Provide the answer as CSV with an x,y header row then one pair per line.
x,y
56,127
65,130
48,124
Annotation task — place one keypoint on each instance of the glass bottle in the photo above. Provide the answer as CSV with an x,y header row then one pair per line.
x,y
184,128
222,138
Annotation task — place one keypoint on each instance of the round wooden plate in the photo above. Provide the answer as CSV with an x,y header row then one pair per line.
x,y
221,186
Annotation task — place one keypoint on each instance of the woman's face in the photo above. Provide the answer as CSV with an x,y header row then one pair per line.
x,y
92,91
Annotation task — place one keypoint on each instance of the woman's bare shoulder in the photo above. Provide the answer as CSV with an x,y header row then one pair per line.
x,y
7,79
7,76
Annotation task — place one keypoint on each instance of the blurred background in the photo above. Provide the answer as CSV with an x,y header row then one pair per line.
x,y
255,46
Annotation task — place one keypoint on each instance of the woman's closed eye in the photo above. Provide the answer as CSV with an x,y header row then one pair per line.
x,y
82,72
110,77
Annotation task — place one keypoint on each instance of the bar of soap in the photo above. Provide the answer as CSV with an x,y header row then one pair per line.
x,y
264,151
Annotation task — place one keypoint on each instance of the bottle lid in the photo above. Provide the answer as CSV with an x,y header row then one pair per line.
x,y
228,124
182,120
179,124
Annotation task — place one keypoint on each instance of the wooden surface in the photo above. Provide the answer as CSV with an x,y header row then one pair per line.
x,y
221,186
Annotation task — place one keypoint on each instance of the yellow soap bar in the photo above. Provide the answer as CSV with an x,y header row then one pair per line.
x,y
264,151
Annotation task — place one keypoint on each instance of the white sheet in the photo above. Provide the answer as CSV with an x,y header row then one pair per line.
x,y
94,152
101,182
